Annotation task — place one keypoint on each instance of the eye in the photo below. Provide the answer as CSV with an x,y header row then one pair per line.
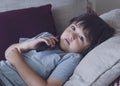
x,y
73,28
81,38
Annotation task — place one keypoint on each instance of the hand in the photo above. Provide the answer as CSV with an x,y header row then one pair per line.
x,y
34,43
50,41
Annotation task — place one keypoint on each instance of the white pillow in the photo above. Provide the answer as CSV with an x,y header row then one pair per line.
x,y
102,64
113,19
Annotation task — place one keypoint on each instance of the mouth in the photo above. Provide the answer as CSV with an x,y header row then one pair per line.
x,y
67,41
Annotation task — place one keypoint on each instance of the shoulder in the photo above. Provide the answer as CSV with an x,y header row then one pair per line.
x,y
43,34
66,66
71,58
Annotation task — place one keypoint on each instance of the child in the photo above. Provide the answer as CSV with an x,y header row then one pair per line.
x,y
52,67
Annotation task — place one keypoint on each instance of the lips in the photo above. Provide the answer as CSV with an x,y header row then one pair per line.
x,y
67,41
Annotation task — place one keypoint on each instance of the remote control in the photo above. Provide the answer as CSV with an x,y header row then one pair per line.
x,y
43,46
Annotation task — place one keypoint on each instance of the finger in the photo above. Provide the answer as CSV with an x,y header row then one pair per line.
x,y
44,39
53,40
50,41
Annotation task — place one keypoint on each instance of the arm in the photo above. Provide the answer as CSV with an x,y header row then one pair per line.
x,y
66,67
14,56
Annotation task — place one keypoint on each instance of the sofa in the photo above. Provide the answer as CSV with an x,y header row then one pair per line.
x,y
26,18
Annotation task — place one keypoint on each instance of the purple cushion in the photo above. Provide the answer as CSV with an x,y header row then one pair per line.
x,y
24,23
116,82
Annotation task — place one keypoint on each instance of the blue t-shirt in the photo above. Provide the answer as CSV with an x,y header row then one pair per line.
x,y
53,63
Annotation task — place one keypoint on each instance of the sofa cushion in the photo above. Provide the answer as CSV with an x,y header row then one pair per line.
x,y
24,23
113,19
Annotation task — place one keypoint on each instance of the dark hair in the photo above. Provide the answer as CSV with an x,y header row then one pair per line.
x,y
99,30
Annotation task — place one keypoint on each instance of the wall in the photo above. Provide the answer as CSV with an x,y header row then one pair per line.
x,y
102,6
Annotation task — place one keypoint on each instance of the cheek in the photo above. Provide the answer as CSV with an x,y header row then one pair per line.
x,y
76,46
63,45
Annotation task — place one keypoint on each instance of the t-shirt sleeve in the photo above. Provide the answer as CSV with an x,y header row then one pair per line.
x,y
66,66
43,34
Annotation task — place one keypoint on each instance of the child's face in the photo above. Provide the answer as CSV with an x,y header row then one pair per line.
x,y
74,39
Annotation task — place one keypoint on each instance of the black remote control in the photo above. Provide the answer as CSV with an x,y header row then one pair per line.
x,y
43,46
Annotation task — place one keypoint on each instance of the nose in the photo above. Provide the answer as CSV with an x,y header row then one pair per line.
x,y
73,36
